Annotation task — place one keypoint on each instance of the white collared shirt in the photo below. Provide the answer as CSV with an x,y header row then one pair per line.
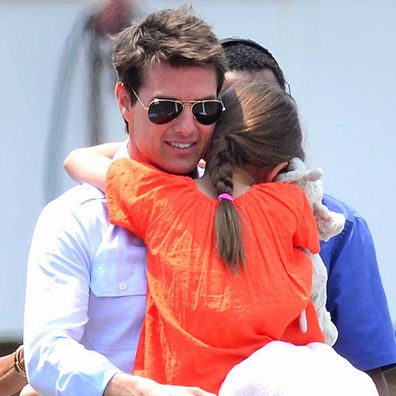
x,y
85,298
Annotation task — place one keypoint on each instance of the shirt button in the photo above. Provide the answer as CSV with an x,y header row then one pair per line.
x,y
122,286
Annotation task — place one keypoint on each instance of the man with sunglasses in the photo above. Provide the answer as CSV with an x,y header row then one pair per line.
x,y
86,283
355,297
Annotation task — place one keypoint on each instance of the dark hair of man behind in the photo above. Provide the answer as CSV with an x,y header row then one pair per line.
x,y
260,127
245,55
173,36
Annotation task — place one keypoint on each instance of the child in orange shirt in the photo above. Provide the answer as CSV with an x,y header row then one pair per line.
x,y
227,264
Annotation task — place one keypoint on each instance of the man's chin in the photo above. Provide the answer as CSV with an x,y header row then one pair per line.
x,y
180,170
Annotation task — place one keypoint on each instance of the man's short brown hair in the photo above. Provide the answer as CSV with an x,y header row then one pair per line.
x,y
176,37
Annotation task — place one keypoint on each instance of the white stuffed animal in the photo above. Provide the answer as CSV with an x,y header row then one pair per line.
x,y
329,224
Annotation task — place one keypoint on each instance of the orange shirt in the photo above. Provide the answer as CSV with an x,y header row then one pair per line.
x,y
201,319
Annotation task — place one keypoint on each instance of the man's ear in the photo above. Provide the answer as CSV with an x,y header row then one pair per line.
x,y
278,168
123,98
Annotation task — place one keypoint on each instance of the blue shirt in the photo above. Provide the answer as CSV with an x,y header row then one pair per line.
x,y
355,295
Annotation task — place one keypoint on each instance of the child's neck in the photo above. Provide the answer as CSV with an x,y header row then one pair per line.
x,y
242,180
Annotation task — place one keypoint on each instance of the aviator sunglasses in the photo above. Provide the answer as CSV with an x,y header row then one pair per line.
x,y
162,111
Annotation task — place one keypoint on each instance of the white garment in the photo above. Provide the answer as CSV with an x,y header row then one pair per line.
x,y
85,299
283,369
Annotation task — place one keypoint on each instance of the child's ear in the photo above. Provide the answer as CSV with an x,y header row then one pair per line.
x,y
278,168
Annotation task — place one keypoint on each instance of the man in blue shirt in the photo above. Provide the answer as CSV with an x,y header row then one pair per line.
x,y
355,295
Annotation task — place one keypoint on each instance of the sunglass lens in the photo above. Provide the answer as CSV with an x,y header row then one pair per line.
x,y
207,112
164,111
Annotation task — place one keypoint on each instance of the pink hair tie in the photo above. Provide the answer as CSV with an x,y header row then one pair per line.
x,y
226,196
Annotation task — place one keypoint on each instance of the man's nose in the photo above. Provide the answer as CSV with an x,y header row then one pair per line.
x,y
185,123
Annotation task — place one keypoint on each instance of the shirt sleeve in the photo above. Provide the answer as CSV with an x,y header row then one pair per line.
x,y
355,295
135,195
57,299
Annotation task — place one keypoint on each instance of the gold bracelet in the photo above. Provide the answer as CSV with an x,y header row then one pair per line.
x,y
19,362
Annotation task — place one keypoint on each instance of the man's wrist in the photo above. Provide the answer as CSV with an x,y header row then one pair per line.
x,y
11,382
379,380
19,362
123,384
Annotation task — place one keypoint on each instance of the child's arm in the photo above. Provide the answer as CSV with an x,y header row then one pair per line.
x,y
90,164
